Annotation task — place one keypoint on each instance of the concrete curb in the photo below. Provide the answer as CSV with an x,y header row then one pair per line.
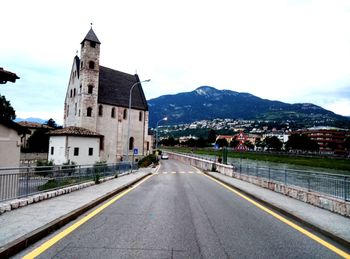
x,y
294,217
23,242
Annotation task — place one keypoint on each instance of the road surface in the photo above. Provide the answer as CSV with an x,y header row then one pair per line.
x,y
181,213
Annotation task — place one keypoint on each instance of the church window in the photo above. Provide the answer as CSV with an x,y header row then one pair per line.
x,y
113,113
75,109
76,151
89,111
140,116
92,44
71,93
91,64
91,151
90,88
131,143
100,110
125,114
74,92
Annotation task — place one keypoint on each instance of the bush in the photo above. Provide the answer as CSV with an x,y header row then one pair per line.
x,y
43,167
147,161
99,167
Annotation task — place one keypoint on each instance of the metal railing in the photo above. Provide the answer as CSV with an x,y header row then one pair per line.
x,y
334,185
24,181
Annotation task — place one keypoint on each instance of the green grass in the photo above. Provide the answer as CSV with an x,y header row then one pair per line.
x,y
330,163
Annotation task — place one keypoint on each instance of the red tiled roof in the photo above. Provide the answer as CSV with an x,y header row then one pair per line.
x,y
29,124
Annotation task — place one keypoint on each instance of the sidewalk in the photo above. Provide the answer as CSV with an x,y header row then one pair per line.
x,y
36,220
335,226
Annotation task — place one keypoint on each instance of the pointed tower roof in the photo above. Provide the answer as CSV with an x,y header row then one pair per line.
x,y
91,36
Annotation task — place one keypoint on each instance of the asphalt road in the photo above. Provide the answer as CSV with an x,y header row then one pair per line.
x,y
179,213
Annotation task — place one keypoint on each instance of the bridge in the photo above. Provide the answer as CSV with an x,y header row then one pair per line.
x,y
173,211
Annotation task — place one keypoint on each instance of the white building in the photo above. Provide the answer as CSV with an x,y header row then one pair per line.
x,y
97,100
74,144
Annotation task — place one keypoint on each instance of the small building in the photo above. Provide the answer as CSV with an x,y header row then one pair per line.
x,y
31,127
11,134
74,145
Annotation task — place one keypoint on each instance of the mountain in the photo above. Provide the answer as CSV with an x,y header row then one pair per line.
x,y
38,120
209,103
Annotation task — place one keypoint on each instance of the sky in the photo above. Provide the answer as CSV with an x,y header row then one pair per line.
x,y
295,51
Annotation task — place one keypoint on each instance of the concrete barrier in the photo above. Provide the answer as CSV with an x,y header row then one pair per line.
x,y
335,205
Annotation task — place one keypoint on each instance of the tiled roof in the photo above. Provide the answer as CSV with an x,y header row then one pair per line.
x,y
114,89
73,131
14,125
29,124
91,36
6,76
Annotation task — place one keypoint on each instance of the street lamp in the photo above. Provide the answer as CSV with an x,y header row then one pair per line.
x,y
129,111
164,119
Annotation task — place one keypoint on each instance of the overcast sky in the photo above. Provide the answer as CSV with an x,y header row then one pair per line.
x,y
292,51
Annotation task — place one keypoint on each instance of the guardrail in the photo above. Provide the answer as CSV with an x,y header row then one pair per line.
x,y
334,185
24,181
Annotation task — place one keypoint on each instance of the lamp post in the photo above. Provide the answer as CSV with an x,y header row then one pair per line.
x,y
164,119
129,111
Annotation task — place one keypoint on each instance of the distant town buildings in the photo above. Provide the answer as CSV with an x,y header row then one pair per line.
x,y
253,133
330,139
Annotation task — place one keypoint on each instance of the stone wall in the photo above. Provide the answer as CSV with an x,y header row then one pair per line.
x,y
317,199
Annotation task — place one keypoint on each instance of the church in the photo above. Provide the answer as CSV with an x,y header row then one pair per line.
x,y
96,113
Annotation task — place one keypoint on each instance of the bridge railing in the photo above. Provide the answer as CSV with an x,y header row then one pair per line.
x,y
334,185
24,181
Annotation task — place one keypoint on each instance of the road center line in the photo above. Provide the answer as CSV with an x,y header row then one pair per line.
x,y
36,252
284,220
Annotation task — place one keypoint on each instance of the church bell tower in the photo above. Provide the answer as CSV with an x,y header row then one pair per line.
x,y
89,78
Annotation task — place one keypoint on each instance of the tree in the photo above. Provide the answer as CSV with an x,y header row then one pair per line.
x,y
301,142
39,141
211,136
234,143
347,144
6,110
273,143
222,142
51,123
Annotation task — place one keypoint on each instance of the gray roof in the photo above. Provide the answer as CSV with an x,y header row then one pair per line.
x,y
73,131
114,89
91,36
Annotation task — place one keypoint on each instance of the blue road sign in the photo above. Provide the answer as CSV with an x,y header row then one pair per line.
x,y
136,151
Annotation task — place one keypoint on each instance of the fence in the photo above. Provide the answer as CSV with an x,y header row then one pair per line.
x,y
25,181
333,185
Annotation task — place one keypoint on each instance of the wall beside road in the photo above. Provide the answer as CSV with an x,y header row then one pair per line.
x,y
339,206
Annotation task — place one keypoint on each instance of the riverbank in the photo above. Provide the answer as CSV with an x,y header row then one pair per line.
x,y
320,162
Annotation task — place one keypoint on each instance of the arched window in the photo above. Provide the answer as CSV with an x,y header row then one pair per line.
x,y
89,111
91,64
92,44
100,110
71,93
113,113
125,114
90,89
131,143
74,91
